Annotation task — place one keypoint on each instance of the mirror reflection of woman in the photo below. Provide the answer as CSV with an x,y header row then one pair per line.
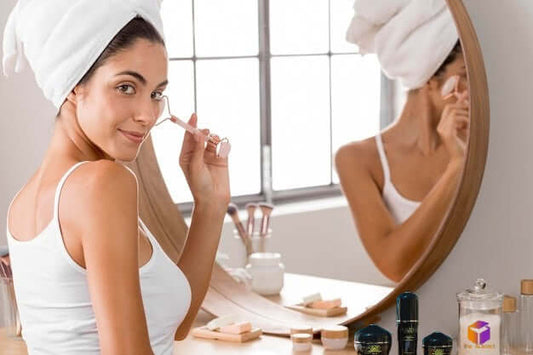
x,y
89,276
400,183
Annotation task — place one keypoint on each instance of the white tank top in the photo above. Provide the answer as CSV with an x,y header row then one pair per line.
x,y
400,207
53,298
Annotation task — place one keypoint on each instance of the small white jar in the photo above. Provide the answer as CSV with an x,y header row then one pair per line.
x,y
334,337
301,342
267,273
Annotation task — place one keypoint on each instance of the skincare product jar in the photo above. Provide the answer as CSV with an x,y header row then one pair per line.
x,y
480,314
301,342
372,340
267,273
437,344
334,337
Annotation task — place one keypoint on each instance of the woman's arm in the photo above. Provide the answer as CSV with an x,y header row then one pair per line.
x,y
207,176
198,258
105,215
394,249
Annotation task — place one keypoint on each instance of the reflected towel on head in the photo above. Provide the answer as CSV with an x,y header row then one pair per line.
x,y
411,38
61,39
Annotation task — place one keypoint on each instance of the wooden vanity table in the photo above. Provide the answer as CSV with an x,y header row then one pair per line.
x,y
296,286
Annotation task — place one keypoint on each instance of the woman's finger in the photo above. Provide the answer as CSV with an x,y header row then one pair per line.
x,y
198,154
188,138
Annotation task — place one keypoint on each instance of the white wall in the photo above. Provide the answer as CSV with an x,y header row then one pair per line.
x,y
26,120
497,243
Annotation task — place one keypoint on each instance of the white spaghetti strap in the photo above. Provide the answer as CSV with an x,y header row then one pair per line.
x,y
60,186
383,158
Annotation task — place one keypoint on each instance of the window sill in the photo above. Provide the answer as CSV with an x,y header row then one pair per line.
x,y
285,209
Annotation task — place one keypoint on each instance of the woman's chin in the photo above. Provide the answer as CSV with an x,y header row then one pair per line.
x,y
126,156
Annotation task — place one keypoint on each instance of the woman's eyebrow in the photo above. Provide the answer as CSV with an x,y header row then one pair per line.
x,y
139,77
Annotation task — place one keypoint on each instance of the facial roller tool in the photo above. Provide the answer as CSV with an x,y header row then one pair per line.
x,y
451,88
223,146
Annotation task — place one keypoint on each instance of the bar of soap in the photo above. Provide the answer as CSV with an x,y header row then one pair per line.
x,y
325,304
237,328
220,322
311,298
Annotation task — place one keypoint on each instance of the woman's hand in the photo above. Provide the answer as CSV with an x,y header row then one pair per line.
x,y
453,128
206,174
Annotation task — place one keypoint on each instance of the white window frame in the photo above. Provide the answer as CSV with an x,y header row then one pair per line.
x,y
264,56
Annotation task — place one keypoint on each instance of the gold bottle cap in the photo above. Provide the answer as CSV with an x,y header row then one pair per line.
x,y
301,329
509,303
335,332
526,287
301,338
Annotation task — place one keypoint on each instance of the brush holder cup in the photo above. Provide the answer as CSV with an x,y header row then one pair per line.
x,y
259,243
9,315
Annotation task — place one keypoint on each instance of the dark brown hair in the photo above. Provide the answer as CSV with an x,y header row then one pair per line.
x,y
457,49
137,28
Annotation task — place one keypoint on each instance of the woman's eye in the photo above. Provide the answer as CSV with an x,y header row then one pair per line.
x,y
158,95
123,88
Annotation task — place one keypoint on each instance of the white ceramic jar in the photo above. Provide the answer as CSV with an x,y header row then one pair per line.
x,y
334,337
301,342
267,273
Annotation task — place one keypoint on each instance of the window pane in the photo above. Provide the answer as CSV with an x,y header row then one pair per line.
x,y
300,122
226,28
355,96
341,15
167,137
177,23
299,26
228,104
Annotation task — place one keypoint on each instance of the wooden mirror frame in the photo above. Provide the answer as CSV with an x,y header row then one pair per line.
x,y
165,221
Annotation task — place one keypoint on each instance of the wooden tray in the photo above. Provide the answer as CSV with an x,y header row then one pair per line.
x,y
203,332
332,312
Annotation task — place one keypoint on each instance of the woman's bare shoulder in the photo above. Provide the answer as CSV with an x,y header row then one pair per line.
x,y
101,174
361,153
97,189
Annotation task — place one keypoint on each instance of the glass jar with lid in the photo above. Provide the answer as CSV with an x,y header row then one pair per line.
x,y
480,314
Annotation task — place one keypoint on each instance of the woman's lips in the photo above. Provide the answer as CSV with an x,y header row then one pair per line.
x,y
133,136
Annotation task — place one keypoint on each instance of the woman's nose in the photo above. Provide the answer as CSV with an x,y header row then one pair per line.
x,y
147,112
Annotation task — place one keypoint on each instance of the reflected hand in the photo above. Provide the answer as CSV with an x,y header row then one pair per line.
x,y
454,126
206,174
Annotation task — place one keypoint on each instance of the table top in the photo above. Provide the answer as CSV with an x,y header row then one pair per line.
x,y
296,287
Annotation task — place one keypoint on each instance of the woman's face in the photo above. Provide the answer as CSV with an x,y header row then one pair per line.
x,y
456,67
121,102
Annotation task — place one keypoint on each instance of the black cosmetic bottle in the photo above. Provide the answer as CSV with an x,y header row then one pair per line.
x,y
407,321
437,344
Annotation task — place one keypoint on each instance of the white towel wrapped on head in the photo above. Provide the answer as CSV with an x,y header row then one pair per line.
x,y
411,38
62,39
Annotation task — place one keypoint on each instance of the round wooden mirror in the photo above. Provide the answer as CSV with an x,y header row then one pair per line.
x,y
227,296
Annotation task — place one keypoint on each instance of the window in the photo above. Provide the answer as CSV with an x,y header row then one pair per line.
x,y
278,79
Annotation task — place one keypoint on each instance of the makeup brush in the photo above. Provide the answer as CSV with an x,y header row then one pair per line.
x,y
250,207
234,214
266,208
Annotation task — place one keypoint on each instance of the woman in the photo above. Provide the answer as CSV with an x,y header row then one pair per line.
x,y
89,276
400,183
